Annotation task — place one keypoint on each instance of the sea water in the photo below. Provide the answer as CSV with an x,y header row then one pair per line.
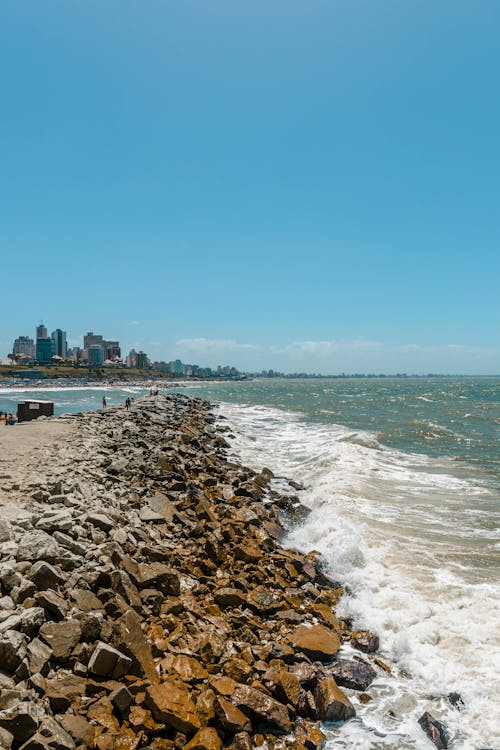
x,y
403,480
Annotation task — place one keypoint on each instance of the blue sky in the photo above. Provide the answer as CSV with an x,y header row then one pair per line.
x,y
296,185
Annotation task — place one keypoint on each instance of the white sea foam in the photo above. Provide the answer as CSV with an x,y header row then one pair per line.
x,y
398,529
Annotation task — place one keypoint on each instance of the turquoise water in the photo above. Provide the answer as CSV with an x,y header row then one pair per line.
x,y
403,480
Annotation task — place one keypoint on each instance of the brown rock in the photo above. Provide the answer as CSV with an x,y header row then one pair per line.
x,y
140,718
351,674
62,689
205,739
365,641
310,735
288,688
21,720
331,703
101,712
247,552
189,669
132,640
39,655
161,577
231,718
317,642
241,741
229,597
62,637
261,707
205,706
121,698
85,600
45,576
172,704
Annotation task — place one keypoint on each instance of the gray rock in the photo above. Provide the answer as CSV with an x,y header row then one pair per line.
x,y
66,541
55,521
101,521
107,661
22,720
45,576
38,545
39,655
6,531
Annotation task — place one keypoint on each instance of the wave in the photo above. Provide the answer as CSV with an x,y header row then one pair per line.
x,y
397,528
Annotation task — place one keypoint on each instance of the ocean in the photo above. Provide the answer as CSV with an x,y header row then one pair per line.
x,y
403,480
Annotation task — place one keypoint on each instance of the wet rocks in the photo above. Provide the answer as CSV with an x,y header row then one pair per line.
x,y
435,730
315,641
147,602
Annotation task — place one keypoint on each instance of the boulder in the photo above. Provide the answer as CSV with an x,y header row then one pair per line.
x,y
231,718
171,704
261,708
45,576
159,576
12,650
230,597
331,703
435,730
6,531
101,521
365,641
78,728
351,674
39,655
107,661
205,739
315,641
132,640
22,720
38,545
62,637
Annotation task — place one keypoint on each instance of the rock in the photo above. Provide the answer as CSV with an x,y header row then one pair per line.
x,y
132,640
331,703
38,545
148,515
456,701
365,641
12,650
435,730
22,720
39,655
107,661
101,712
288,687
55,521
171,704
229,597
101,521
6,739
78,728
161,577
121,698
62,637
205,739
62,689
53,603
231,718
85,600
56,736
261,708
316,642
351,674
6,531
32,618
188,668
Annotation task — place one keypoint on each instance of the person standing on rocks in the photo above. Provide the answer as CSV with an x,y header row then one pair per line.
x,y
104,402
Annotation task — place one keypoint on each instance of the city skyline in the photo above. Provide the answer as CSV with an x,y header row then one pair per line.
x,y
288,185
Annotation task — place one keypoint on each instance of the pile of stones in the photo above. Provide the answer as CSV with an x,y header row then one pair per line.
x,y
146,600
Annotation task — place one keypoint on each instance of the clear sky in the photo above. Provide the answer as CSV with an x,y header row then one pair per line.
x,y
308,185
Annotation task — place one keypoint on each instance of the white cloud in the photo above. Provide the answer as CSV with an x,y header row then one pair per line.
x,y
327,347
134,323
205,346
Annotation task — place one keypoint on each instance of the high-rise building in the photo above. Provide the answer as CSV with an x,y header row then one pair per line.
x,y
132,358
92,339
142,360
113,350
95,355
24,345
41,331
61,345
45,350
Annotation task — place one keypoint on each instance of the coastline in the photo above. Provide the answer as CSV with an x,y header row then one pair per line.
x,y
137,522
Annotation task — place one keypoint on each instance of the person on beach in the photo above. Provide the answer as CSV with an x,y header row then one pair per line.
x,y
127,403
104,402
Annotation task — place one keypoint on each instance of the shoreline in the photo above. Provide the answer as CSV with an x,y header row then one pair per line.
x,y
138,522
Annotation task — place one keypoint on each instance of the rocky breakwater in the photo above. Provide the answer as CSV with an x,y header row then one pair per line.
x,y
146,600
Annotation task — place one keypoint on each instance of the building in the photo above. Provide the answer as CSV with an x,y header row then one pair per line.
x,y
142,360
45,350
92,339
132,358
95,355
113,350
24,345
176,367
61,345
41,331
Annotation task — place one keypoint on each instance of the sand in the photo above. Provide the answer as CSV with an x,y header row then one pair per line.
x,y
25,451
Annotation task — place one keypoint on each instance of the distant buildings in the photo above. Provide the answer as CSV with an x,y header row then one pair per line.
x,y
45,350
61,345
95,355
110,349
24,346
41,331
